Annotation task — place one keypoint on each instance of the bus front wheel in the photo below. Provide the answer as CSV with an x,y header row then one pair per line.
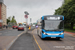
x,y
37,33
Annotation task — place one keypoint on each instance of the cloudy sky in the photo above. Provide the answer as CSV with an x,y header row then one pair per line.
x,y
36,8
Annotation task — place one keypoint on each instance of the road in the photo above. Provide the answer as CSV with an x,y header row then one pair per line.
x,y
68,43
7,36
31,41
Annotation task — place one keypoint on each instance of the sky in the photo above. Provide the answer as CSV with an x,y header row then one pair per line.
x,y
35,8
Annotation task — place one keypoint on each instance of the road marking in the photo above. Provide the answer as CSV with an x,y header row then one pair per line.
x,y
21,33
4,49
12,41
36,41
73,35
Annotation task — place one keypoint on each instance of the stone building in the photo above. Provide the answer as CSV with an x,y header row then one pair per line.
x,y
3,20
4,14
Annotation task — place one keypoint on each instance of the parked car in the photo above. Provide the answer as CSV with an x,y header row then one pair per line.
x,y
20,28
14,27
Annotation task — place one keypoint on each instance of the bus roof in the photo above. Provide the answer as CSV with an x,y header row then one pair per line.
x,y
52,16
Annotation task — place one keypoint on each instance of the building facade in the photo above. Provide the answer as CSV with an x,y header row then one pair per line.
x,y
3,20
3,14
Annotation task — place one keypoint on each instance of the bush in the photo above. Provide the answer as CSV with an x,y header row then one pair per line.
x,y
67,26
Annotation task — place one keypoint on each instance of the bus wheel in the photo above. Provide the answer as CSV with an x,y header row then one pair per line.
x,y
42,38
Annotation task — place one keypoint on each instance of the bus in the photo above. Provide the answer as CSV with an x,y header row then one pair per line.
x,y
51,26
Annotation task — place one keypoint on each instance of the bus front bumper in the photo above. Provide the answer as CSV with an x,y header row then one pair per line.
x,y
52,36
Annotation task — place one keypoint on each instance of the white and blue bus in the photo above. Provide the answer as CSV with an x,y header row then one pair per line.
x,y
51,26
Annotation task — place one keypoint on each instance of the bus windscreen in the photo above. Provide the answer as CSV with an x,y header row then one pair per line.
x,y
53,25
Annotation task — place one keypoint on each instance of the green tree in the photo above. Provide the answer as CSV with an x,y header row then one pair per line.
x,y
8,19
58,11
68,10
69,13
13,21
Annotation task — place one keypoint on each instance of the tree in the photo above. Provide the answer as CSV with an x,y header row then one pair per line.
x,y
68,11
58,11
13,21
8,20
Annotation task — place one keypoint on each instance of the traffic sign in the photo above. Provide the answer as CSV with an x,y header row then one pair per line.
x,y
26,16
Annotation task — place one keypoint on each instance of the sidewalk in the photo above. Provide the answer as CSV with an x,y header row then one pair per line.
x,y
24,42
4,29
5,40
7,36
69,32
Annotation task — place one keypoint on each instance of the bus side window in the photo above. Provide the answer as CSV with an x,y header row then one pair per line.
x,y
42,24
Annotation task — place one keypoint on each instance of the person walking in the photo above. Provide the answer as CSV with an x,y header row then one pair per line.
x,y
6,26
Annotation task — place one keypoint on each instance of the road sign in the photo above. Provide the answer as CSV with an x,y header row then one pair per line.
x,y
26,16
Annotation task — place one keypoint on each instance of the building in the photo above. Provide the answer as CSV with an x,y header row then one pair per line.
x,y
3,20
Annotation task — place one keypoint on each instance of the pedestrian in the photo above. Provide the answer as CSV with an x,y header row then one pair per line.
x,y
6,26
36,26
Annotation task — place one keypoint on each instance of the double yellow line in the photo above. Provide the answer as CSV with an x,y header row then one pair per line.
x,y
36,41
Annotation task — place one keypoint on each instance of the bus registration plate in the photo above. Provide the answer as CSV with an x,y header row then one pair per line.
x,y
53,37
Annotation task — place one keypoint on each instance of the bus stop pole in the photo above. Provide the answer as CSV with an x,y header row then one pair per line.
x,y
26,25
26,16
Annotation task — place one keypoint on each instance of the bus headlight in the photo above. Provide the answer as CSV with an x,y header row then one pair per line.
x,y
45,33
61,33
